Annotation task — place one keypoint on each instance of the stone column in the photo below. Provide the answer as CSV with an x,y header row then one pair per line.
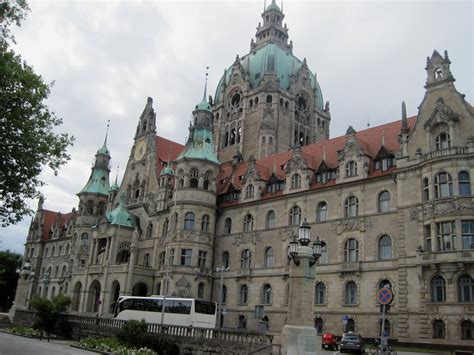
x,y
299,336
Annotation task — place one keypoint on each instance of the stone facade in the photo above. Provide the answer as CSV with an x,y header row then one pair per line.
x,y
393,204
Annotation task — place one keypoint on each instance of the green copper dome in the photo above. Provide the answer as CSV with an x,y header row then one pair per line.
x,y
273,6
114,187
203,105
271,58
104,150
167,171
120,215
200,146
98,182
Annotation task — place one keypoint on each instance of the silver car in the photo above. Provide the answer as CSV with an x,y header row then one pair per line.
x,y
351,342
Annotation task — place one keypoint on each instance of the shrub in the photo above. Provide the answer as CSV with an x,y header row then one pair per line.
x,y
48,312
133,332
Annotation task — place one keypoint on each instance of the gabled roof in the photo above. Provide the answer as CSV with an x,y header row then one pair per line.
x,y
166,151
49,220
120,216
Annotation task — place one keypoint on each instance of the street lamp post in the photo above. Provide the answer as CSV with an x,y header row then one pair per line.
x,y
22,292
299,335
221,269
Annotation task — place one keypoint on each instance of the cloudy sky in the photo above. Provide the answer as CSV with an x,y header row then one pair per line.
x,y
107,57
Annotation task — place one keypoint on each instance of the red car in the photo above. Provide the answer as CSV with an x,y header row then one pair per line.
x,y
329,341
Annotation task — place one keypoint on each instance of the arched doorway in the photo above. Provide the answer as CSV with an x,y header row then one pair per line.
x,y
114,295
93,300
140,289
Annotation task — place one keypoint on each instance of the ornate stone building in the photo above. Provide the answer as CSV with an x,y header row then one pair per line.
x,y
393,204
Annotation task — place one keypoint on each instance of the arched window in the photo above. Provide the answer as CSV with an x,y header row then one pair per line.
x,y
384,201
270,223
351,250
351,168
53,251
63,271
351,325
385,247
438,329
266,294
207,179
228,225
248,223
242,322
225,259
384,283
443,185
351,207
60,250
224,294
193,178
295,216
243,295
149,230
465,289
350,293
386,328
200,292
438,289
84,239
467,330
174,220
464,183
320,296
322,211
90,207
319,325
295,181
249,191
268,260
189,221
323,259
442,141
165,226
426,189
205,223
100,208
246,259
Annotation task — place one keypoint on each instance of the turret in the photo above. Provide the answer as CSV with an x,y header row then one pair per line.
x,y
438,71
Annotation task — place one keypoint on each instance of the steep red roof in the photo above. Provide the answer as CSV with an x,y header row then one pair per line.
x,y
166,150
50,218
370,141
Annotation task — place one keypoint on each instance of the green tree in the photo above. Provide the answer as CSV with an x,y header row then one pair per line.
x,y
8,277
48,312
28,141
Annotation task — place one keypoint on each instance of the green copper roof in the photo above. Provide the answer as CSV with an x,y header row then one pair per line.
x,y
273,6
120,215
284,64
200,147
104,150
98,182
167,171
203,105
114,187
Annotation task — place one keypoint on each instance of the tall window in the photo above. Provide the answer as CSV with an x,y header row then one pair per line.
x,y
200,290
244,293
427,237
443,185
351,168
322,211
171,257
162,260
248,223
207,179
186,257
242,322
384,201
205,223
319,325
320,297
249,191
270,219
385,247
438,289
174,221
267,294
225,259
467,234
224,294
323,259
228,226
442,141
464,183
193,178
146,260
202,258
467,330
351,207
351,325
445,236
268,261
351,250
465,289
149,230
438,329
350,293
295,216
189,221
426,189
386,328
295,181
245,259
84,239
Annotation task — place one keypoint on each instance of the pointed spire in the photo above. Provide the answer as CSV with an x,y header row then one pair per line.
x,y
404,118
116,175
205,84
274,166
383,137
106,133
324,153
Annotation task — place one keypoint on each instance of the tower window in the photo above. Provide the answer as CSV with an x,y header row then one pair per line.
x,y
271,63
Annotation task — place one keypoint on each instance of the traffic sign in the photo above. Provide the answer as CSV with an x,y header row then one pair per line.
x,y
385,295
345,317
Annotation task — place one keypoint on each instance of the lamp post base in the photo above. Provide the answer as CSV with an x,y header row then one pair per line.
x,y
300,340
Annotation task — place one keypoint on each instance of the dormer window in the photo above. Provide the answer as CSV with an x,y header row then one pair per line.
x,y
295,181
275,187
438,74
324,177
351,168
384,164
249,191
442,141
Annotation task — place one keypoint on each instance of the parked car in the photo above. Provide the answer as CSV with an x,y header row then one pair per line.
x,y
352,342
329,341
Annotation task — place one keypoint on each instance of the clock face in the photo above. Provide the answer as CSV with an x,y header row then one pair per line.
x,y
140,150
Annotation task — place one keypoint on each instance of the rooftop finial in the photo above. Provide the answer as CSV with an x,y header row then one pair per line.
x,y
383,137
116,175
264,4
106,133
205,84
324,152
